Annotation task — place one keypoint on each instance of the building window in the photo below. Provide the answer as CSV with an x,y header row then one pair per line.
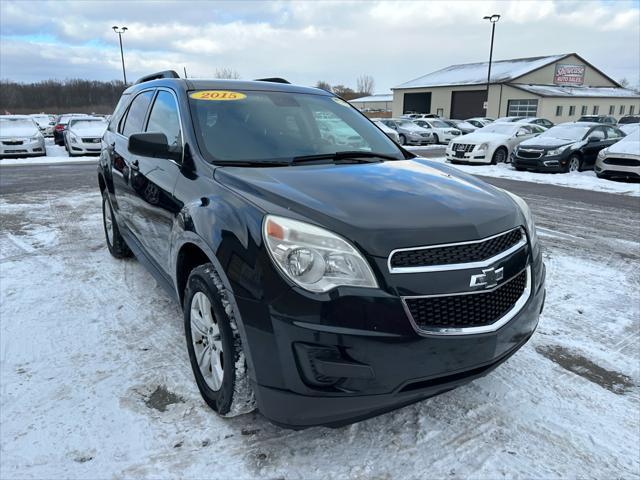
x,y
612,109
572,110
621,111
583,110
440,112
559,111
595,110
522,108
632,109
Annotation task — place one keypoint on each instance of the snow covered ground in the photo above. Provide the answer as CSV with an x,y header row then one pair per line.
x,y
96,381
586,180
55,155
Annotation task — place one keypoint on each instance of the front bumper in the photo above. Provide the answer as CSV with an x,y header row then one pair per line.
x,y
82,148
369,342
546,163
31,149
623,172
479,156
419,140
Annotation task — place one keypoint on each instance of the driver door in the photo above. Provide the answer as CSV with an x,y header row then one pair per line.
x,y
591,149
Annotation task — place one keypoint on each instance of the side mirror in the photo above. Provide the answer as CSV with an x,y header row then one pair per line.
x,y
152,145
593,139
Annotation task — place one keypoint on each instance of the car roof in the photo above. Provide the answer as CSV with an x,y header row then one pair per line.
x,y
219,84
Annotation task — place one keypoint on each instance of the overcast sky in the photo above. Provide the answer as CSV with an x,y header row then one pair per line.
x,y
307,41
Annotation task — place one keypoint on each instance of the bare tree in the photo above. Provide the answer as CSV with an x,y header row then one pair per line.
x,y
365,84
624,82
323,85
344,92
228,73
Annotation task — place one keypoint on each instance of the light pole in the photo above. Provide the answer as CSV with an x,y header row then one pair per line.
x,y
493,19
120,31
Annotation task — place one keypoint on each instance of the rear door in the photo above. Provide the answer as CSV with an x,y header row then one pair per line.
x,y
153,181
591,149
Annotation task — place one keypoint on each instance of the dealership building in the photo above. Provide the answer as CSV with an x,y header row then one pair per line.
x,y
560,88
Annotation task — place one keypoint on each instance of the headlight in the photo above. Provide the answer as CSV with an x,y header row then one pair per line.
x,y
602,153
73,138
526,211
34,139
314,258
557,151
483,146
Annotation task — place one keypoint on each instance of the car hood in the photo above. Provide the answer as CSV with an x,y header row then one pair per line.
x,y
630,145
546,142
481,137
380,206
18,131
89,130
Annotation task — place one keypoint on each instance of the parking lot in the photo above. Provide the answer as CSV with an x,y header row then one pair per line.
x,y
96,381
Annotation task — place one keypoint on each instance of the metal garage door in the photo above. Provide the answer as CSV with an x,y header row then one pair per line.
x,y
417,103
468,104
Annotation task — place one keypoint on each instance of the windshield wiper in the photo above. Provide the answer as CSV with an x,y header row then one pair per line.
x,y
355,156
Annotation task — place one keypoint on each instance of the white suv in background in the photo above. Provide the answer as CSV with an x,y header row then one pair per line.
x,y
442,132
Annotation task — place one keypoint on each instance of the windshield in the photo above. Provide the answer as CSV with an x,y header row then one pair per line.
x,y
82,124
567,132
267,126
410,125
438,124
20,126
502,128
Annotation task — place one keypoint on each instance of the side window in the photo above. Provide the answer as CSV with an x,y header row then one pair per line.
x,y
598,133
164,118
133,123
114,122
613,132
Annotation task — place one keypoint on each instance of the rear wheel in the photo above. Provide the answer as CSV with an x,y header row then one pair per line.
x,y
499,156
574,163
214,344
115,243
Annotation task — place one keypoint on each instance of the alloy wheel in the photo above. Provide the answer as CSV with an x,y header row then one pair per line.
x,y
574,164
207,342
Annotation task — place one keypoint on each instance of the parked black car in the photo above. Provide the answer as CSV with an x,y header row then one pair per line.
x,y
328,286
568,147
629,119
609,120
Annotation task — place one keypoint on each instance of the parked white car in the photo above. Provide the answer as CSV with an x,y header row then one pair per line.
x,y
389,132
622,159
20,137
491,144
479,121
543,122
83,135
442,132
408,132
629,128
45,123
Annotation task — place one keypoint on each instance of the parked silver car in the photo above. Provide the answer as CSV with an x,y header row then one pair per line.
x,y
83,135
20,137
621,160
408,132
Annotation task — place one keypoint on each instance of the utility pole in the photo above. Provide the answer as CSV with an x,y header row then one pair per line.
x,y
120,31
493,19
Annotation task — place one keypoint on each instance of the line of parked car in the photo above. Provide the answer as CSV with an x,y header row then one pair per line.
x,y
23,135
594,142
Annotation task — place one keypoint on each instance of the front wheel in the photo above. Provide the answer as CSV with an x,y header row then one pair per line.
x,y
574,164
403,140
214,344
436,139
115,243
499,156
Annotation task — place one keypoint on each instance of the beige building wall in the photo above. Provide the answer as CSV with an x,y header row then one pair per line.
x,y
547,107
545,75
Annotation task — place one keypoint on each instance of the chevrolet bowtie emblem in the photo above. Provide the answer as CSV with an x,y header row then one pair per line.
x,y
489,278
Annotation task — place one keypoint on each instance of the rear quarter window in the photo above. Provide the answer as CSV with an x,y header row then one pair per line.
x,y
134,121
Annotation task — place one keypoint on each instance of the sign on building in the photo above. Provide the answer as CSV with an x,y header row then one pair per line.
x,y
569,74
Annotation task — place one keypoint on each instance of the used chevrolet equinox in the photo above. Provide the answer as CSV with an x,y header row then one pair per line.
x,y
320,284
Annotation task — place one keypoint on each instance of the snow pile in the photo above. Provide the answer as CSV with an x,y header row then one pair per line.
x,y
55,155
96,381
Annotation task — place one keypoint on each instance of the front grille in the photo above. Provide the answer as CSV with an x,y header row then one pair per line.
x,y
426,135
524,153
12,142
623,162
475,309
456,253
90,140
463,147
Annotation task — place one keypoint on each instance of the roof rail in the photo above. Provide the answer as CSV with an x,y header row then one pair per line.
x,y
272,79
157,75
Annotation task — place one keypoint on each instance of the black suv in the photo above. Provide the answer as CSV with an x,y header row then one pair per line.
x,y
607,119
324,285
568,147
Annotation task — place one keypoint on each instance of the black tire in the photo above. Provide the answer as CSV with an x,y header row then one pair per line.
x,y
436,139
403,139
116,244
235,395
499,156
574,164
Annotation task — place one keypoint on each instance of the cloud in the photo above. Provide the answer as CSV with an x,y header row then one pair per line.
x,y
307,41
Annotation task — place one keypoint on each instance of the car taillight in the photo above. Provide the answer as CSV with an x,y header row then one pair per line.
x,y
59,127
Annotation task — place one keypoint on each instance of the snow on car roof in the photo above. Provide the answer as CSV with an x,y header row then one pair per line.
x,y
566,91
476,73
